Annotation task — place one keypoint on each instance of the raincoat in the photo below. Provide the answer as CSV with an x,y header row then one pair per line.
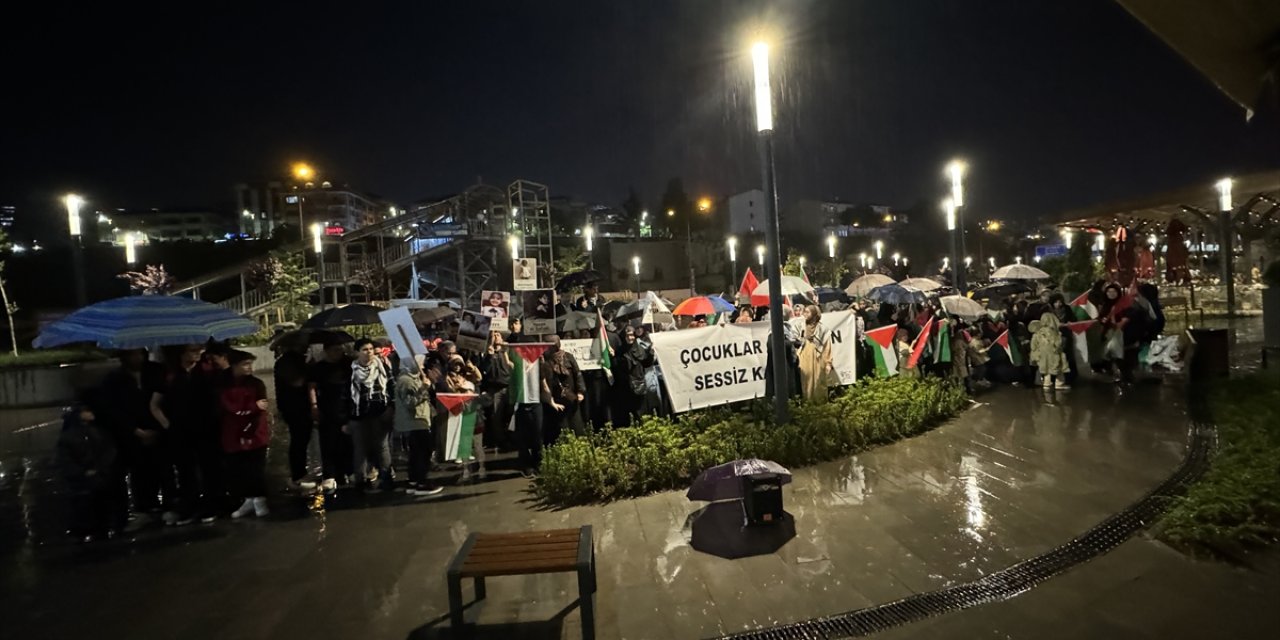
x,y
1046,346
815,363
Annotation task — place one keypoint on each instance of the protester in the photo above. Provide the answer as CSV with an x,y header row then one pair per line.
x,y
182,404
370,389
413,417
293,401
528,425
495,371
246,432
902,348
1046,350
815,357
590,300
462,376
567,386
792,341
629,384
125,411
87,458
330,386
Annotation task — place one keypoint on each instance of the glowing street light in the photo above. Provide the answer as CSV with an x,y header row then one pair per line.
x,y
1224,194
968,260
303,171
589,233
1227,233
773,271
73,202
514,244
946,263
635,264
733,249
992,261
897,258
704,204
862,260
130,249
831,246
1067,235
949,209
1018,259
956,169
317,237
760,253
764,96
879,245
955,220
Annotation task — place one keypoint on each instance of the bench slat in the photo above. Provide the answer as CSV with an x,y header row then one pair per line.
x,y
522,548
549,533
558,556
519,568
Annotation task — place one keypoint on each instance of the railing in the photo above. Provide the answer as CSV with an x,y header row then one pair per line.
x,y
256,301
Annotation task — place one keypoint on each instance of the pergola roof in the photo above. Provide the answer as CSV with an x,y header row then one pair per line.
x,y
1254,195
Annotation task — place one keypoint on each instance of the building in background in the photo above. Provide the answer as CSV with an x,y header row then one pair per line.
x,y
155,225
260,208
7,214
746,212
335,207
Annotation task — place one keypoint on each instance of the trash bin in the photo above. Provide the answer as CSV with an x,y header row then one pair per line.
x,y
1212,355
762,498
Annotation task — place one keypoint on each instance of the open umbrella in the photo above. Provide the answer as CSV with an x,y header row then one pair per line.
x,y
304,337
424,317
962,307
895,294
352,314
722,482
830,294
1019,272
137,322
575,321
718,529
923,284
703,306
577,279
863,285
791,286
1000,290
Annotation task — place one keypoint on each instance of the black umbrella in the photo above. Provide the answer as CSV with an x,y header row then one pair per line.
x,y
724,481
830,294
424,317
304,337
895,294
586,276
720,530
352,314
1001,289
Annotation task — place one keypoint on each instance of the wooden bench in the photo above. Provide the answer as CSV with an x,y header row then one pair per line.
x,y
486,555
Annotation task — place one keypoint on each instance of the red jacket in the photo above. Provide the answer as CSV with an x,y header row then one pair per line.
x,y
244,426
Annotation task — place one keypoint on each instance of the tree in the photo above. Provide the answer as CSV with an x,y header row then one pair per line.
x,y
572,259
288,281
10,308
151,281
374,279
1078,272
674,199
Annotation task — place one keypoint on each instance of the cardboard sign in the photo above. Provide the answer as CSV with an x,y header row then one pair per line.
x,y
524,272
402,332
473,331
497,306
585,350
539,312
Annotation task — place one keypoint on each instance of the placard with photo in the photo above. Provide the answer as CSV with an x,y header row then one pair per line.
x,y
524,271
473,331
539,312
496,305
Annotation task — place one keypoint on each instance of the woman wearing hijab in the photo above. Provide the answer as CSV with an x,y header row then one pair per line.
x,y
815,356
370,385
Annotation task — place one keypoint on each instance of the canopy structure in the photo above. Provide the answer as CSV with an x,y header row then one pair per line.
x,y
1256,196
1232,42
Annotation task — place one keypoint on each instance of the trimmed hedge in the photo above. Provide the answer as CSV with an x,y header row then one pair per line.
x,y
659,454
1236,504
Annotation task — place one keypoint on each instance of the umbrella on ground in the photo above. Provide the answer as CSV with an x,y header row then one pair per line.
x,y
1000,290
1019,272
923,284
791,286
304,337
722,482
424,317
718,529
352,314
703,306
962,307
830,294
895,294
575,321
577,279
137,322
863,285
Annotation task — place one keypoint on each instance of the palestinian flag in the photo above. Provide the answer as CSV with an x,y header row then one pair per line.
x,y
1010,345
922,340
460,427
1082,307
749,283
805,276
526,378
942,353
881,343
1080,342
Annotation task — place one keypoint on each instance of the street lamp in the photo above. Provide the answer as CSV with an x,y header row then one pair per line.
x,y
514,244
1226,253
897,259
74,203
130,249
831,253
305,173
773,270
635,268
760,254
955,218
862,260
879,245
317,236
733,259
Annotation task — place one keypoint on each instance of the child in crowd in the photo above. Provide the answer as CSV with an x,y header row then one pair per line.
x,y
87,458
246,432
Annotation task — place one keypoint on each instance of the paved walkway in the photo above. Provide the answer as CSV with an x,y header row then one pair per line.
x,y
1011,478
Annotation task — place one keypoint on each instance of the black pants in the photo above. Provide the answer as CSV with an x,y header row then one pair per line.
x,y
597,398
336,450
300,427
556,422
183,448
151,476
626,405
529,434
421,444
93,508
247,473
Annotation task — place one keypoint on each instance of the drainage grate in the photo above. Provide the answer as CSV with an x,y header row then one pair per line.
x,y
1007,583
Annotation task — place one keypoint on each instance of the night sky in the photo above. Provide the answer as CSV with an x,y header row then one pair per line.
x,y
1055,104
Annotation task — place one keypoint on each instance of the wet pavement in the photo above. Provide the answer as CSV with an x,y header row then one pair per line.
x,y
1013,477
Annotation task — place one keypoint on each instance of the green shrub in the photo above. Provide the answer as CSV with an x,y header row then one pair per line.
x,y
1236,505
50,357
658,454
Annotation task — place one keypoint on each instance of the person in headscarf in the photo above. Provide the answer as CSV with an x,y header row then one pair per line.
x,y
1046,351
629,384
461,376
370,389
815,357
413,416
568,387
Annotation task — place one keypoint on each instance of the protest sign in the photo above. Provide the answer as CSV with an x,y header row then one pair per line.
x,y
497,306
473,331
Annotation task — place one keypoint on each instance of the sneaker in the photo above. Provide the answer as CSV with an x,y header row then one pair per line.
x,y
329,486
301,485
260,507
1048,382
208,518
244,510
424,490
528,474
1061,385
481,474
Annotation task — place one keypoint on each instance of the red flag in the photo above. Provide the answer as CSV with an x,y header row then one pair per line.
x,y
749,283
918,348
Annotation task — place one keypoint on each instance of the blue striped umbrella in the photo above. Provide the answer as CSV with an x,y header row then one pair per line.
x,y
146,321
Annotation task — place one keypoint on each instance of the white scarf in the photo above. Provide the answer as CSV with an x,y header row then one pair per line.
x,y
368,381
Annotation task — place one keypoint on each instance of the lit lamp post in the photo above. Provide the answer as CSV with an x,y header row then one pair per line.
x,y
773,270
130,249
760,254
1225,250
74,203
635,268
879,245
733,259
955,220
831,253
949,210
305,173
589,233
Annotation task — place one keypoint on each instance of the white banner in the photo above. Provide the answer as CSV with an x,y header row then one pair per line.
x,y
721,364
584,350
402,332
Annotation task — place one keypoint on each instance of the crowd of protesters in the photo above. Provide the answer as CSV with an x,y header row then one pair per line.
x,y
185,438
